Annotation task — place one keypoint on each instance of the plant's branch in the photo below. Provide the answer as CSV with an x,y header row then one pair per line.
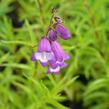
x,y
93,24
41,11
53,11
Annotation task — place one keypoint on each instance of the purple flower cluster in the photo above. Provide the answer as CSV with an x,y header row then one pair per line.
x,y
49,50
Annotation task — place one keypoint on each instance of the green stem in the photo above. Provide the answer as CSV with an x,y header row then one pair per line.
x,y
92,22
41,12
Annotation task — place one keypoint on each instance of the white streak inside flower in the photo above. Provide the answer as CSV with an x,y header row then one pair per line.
x,y
57,69
43,56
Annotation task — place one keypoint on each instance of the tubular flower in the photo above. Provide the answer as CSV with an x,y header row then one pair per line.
x,y
44,53
59,53
62,31
57,61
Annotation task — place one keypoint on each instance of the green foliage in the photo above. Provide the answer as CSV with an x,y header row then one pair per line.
x,y
25,84
97,94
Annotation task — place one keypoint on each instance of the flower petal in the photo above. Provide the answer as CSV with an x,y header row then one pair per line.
x,y
44,57
58,51
33,57
63,65
44,45
44,64
55,70
66,56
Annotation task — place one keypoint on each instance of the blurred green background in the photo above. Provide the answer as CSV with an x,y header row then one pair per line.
x,y
84,84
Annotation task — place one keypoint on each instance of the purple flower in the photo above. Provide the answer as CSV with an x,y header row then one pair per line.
x,y
44,53
59,57
59,53
52,35
62,31
54,67
49,50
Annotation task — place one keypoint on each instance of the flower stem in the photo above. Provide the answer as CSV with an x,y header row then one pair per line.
x,y
53,11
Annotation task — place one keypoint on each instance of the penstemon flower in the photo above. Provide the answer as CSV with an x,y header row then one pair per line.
x,y
44,53
59,54
49,50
